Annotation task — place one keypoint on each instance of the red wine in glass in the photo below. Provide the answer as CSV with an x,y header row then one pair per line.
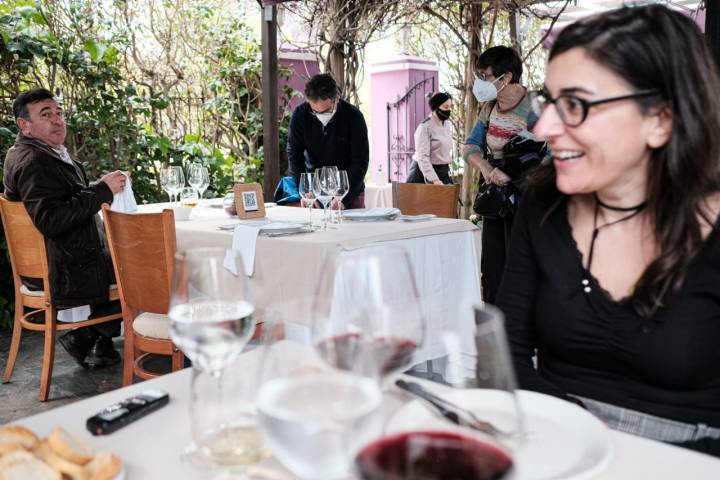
x,y
389,353
432,455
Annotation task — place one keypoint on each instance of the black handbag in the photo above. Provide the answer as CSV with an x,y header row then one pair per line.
x,y
494,201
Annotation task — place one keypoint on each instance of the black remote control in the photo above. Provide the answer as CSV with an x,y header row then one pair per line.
x,y
120,414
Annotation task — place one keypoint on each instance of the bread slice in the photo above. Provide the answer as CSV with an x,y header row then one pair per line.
x,y
9,447
72,470
104,466
16,456
27,468
17,435
69,447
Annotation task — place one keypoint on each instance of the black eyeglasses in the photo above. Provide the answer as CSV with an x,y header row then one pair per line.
x,y
573,110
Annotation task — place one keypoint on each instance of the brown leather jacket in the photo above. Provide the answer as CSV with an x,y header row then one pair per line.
x,y
64,207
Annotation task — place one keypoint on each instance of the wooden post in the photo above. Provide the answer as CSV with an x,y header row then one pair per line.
x,y
271,139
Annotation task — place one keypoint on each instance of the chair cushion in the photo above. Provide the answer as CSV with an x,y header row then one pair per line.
x,y
153,325
39,293
31,293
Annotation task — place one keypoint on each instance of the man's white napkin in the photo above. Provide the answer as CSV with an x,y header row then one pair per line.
x,y
125,201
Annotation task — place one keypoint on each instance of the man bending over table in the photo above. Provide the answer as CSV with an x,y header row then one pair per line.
x,y
328,131
64,206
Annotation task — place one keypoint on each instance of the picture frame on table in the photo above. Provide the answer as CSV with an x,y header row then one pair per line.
x,y
249,201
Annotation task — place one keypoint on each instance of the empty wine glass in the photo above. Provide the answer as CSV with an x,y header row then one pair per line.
x,y
175,181
313,417
168,182
211,317
323,187
374,321
478,357
342,187
198,178
305,189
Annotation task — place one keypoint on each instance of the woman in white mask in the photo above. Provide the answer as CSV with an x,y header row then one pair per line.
x,y
506,113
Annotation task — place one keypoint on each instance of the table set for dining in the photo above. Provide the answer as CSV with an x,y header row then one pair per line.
x,y
344,311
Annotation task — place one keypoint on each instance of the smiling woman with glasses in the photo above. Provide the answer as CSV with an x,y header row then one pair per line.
x,y
611,289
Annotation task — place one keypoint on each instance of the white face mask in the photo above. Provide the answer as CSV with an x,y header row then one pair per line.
x,y
326,117
485,91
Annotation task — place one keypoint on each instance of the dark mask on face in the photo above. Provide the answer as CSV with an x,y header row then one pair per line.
x,y
443,114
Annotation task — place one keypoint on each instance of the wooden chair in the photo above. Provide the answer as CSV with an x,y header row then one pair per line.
x,y
142,246
28,257
418,198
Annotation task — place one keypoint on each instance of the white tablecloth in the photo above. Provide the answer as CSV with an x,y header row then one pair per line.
x,y
378,195
445,256
151,446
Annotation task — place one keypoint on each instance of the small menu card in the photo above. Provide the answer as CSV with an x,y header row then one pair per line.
x,y
249,200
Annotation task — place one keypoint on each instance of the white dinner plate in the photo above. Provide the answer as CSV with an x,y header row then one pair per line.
x,y
371,214
564,441
417,218
282,227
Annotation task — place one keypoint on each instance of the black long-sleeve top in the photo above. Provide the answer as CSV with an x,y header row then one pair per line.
x,y
590,345
343,142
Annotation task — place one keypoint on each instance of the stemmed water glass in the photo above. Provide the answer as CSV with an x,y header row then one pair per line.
x,y
211,317
305,189
314,418
375,320
342,187
169,182
323,187
199,178
172,181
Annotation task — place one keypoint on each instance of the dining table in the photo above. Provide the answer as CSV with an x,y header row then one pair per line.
x,y
151,447
444,254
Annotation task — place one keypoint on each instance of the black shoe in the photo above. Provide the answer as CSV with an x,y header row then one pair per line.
x,y
102,353
77,343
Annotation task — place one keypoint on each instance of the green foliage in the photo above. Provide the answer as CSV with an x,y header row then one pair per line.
x,y
125,116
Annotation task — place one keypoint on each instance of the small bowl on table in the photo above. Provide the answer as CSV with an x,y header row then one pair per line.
x,y
181,213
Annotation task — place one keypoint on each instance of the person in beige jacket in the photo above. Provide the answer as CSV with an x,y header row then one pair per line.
x,y
433,144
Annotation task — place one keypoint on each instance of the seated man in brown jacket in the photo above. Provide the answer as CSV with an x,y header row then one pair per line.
x,y
53,187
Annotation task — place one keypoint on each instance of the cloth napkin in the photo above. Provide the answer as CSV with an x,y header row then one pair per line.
x,y
373,212
124,201
244,242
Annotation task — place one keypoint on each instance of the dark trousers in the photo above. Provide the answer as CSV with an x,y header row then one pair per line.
x,y
415,175
495,240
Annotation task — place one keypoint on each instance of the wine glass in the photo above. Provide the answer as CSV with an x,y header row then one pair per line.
x,y
478,357
199,178
425,445
342,187
313,417
323,187
375,321
305,189
168,181
176,180
211,317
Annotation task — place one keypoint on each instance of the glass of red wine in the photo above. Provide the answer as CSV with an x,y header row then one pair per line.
x,y
371,320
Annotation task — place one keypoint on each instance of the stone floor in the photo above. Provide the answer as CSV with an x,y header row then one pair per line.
x,y
70,382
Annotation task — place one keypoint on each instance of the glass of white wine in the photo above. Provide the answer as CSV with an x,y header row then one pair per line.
x,y
212,319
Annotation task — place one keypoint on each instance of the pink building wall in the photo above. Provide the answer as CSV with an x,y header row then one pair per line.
x,y
304,64
389,82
